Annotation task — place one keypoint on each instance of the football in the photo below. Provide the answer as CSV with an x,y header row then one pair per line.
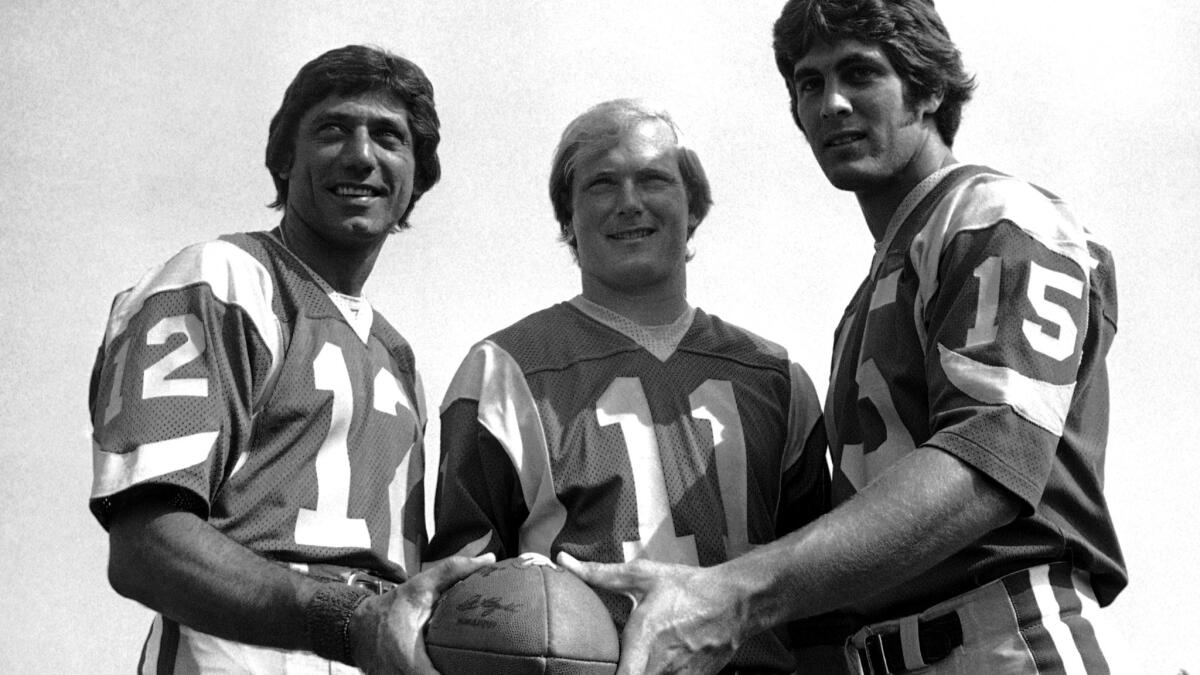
x,y
522,615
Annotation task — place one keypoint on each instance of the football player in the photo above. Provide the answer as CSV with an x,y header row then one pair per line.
x,y
625,423
967,406
258,426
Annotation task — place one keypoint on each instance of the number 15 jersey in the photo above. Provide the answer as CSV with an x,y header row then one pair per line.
x,y
289,417
982,331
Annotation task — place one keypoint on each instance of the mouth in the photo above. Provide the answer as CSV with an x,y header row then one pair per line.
x,y
633,234
844,138
356,190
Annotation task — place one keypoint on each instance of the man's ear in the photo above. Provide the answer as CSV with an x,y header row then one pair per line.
x,y
929,106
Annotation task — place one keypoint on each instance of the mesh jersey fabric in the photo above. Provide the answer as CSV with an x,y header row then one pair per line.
x,y
982,330
560,433
229,376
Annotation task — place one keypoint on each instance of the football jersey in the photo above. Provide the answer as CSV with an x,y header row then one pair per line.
x,y
982,330
287,415
561,433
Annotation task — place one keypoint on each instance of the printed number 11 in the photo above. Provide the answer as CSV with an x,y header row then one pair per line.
x,y
624,404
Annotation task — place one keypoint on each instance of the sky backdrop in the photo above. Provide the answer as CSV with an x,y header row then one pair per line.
x,y
133,128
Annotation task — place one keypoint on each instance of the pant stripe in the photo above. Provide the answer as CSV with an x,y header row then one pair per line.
x,y
1029,622
149,649
1060,632
168,648
161,648
1083,625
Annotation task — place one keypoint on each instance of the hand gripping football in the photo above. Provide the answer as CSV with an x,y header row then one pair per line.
x,y
522,615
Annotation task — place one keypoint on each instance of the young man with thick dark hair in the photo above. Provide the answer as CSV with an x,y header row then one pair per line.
x,y
968,400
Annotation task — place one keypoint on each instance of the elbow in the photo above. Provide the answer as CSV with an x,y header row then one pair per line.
x,y
1001,506
124,568
132,545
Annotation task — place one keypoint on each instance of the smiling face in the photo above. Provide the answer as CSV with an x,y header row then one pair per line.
x,y
351,176
852,107
630,217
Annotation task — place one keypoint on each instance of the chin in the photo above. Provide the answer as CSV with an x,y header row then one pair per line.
x,y
366,228
851,178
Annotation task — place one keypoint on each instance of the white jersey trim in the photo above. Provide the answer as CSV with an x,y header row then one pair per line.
x,y
1041,403
982,202
506,408
232,275
661,341
115,472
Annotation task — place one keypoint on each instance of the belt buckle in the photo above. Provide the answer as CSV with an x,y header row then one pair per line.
x,y
875,657
369,581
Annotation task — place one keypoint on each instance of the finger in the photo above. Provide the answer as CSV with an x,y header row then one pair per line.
x,y
421,665
606,575
446,573
616,577
634,650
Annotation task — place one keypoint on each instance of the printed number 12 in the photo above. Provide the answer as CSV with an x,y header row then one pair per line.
x,y
329,525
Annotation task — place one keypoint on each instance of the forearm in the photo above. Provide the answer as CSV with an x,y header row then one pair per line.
x,y
927,507
179,565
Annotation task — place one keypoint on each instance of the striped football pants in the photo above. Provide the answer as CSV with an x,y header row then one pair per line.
x,y
172,649
1042,620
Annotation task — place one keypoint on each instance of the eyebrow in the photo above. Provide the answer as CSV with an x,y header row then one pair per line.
x,y
346,118
856,58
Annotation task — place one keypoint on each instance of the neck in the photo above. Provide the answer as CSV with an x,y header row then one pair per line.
x,y
879,203
345,270
654,306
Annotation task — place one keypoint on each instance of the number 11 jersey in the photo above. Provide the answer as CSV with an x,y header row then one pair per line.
x,y
563,433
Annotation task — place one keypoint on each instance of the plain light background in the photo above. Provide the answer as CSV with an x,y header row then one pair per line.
x,y
132,128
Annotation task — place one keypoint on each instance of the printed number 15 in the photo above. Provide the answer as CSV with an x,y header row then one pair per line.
x,y
1059,343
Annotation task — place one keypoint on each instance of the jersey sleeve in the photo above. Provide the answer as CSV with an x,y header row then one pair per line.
x,y
187,352
494,462
1005,307
478,507
805,484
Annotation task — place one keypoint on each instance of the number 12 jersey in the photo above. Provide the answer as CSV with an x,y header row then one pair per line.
x,y
288,416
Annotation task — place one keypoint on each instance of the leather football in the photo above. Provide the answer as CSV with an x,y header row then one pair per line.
x,y
522,615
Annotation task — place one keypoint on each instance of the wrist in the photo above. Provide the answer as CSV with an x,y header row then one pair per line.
x,y
327,619
750,596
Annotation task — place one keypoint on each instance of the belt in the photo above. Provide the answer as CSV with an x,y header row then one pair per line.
x,y
883,653
351,577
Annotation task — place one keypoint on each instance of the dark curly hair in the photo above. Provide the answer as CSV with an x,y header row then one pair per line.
x,y
351,71
911,34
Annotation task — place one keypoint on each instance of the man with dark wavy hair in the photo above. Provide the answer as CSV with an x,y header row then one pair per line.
x,y
258,426
967,408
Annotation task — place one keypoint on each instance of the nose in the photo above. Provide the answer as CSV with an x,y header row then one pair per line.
x,y
358,152
834,102
630,198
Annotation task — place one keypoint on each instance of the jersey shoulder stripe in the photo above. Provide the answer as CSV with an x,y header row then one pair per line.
x,y
233,275
507,409
976,198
